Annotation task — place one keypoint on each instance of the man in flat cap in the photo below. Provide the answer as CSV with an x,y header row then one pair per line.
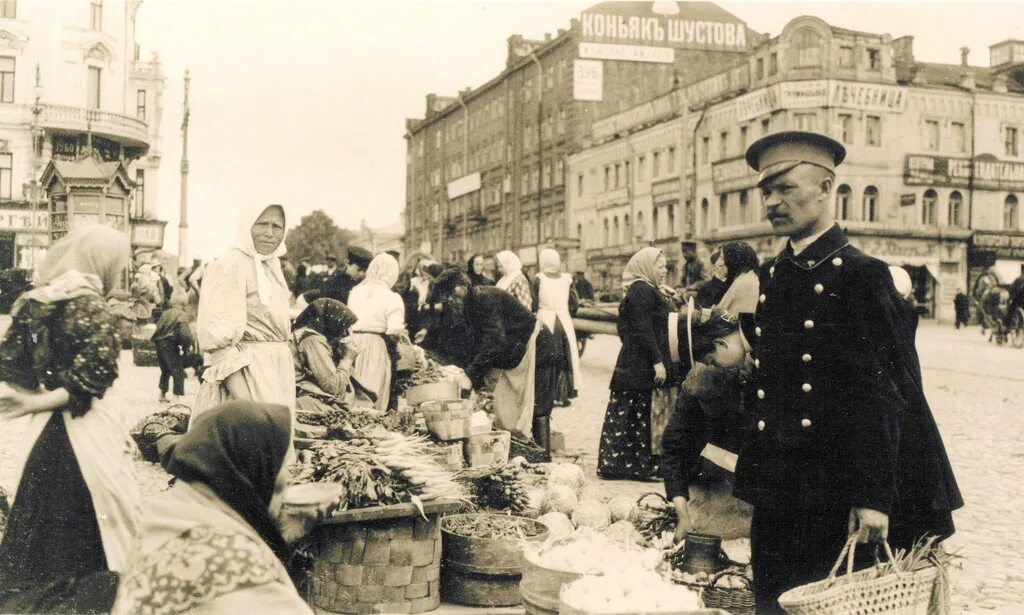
x,y
841,438
339,284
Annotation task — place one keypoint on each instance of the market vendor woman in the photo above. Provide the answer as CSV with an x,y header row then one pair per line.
x,y
507,340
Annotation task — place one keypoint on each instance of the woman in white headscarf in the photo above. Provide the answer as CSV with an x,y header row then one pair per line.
x,y
77,503
381,322
555,301
512,279
243,322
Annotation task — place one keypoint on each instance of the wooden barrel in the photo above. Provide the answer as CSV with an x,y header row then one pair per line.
x,y
481,571
540,587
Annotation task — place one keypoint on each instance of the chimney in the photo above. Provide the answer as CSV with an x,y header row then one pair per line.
x,y
903,50
999,84
964,52
547,36
967,80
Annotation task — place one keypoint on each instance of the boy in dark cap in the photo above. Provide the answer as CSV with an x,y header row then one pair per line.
x,y
841,438
339,284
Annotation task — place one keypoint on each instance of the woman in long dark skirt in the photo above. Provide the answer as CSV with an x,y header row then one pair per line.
x,y
644,364
76,505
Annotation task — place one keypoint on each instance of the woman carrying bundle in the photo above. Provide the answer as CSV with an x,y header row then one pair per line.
x,y
380,324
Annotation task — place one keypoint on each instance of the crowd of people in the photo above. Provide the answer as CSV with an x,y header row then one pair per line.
x,y
794,381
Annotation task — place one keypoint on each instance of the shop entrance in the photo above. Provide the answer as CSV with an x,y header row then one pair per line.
x,y
924,293
6,251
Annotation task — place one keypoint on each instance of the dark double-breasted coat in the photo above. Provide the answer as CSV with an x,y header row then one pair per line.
x,y
835,394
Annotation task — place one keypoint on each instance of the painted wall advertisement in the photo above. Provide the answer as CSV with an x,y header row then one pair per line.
x,y
587,80
989,173
732,174
677,25
1003,245
878,97
21,220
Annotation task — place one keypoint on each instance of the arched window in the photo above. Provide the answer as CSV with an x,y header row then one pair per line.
x,y
843,195
627,230
616,237
671,220
956,204
807,43
723,210
655,230
579,231
606,238
1011,213
744,207
705,214
871,204
928,207
640,230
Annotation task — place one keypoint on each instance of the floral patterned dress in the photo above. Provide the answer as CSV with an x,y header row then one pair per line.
x,y
67,508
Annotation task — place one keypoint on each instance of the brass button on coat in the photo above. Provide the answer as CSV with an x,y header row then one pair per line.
x,y
837,261
806,387
760,393
762,299
818,288
808,324
806,422
757,331
760,425
806,358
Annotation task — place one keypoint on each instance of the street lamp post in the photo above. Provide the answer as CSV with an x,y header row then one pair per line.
x,y
540,144
35,190
465,168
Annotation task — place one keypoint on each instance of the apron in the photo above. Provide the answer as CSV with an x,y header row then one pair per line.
x,y
103,450
514,393
553,303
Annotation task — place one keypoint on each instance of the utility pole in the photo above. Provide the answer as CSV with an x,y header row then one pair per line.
x,y
183,214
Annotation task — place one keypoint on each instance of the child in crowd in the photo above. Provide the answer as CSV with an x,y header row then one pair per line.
x,y
173,339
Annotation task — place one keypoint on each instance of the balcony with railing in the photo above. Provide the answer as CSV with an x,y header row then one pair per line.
x,y
127,130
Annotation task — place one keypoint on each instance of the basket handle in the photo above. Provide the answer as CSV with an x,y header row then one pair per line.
x,y
848,551
726,573
643,497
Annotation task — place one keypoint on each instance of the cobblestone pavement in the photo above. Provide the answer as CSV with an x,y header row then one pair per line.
x,y
976,391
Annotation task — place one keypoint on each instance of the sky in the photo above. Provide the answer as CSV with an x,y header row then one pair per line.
x,y
304,102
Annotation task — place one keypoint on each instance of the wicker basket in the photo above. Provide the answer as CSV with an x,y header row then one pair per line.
x,y
436,391
449,420
380,566
488,449
864,592
738,601
449,456
144,352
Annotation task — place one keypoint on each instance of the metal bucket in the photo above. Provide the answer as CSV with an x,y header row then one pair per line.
x,y
702,553
541,586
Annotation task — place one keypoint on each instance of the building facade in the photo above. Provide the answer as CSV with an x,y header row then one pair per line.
x,y
486,168
72,85
933,175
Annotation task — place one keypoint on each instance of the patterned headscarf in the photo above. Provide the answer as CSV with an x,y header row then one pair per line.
x,y
641,267
88,260
330,317
550,262
237,449
245,245
511,267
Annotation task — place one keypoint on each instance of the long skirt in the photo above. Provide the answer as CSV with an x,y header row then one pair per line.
x,y
372,368
565,386
269,378
625,450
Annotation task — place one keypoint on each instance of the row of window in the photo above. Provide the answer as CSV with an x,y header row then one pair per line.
x,y
619,175
9,10
94,87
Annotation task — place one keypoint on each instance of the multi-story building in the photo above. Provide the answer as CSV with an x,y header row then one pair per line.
x,y
72,84
486,168
933,174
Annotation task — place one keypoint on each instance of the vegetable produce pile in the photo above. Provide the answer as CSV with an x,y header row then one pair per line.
x,y
324,419
386,471
629,591
588,551
502,490
429,372
492,526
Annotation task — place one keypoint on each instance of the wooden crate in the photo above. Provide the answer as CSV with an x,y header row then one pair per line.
x,y
385,559
448,420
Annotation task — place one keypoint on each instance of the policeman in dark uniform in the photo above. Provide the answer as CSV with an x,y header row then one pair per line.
x,y
841,439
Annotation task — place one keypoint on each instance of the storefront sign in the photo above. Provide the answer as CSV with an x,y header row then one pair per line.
x,y
822,93
989,174
148,233
681,25
907,200
463,185
645,113
1003,245
21,220
732,174
629,53
587,80
735,79
868,96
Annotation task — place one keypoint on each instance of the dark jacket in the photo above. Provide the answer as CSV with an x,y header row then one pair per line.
x,y
709,410
832,414
584,289
643,329
173,327
337,285
710,292
502,328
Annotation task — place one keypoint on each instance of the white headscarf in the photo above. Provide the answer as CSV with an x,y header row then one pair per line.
x,y
245,245
511,267
550,262
641,268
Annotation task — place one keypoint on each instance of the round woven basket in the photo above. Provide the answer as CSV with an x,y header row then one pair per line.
x,y
738,601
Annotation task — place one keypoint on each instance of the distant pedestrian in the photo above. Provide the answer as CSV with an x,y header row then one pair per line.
x,y
338,285
710,292
739,263
379,328
555,303
693,268
301,277
584,289
173,341
476,269
962,307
